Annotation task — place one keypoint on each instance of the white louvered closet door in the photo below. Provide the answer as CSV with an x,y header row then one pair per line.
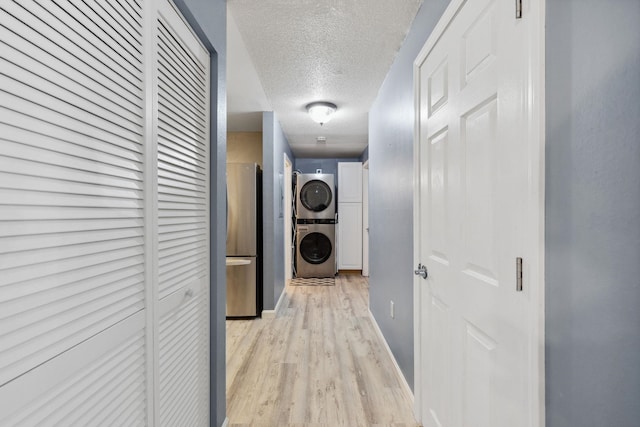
x,y
103,215
183,223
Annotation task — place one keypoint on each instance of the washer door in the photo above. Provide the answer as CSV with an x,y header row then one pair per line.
x,y
315,195
315,248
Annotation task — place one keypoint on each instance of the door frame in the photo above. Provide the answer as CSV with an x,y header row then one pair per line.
x,y
365,214
534,11
288,233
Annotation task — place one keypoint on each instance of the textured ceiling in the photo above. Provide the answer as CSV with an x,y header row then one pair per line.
x,y
314,50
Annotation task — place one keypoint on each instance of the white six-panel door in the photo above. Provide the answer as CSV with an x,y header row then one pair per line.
x,y
474,187
104,259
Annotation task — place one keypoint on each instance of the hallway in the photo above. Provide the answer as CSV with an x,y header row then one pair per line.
x,y
318,363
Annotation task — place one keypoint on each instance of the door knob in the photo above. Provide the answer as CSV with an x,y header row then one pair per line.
x,y
421,271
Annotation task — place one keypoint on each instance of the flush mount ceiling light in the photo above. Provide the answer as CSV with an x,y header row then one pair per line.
x,y
321,112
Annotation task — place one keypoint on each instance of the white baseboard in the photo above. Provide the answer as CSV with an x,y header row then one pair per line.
x,y
399,372
225,423
272,314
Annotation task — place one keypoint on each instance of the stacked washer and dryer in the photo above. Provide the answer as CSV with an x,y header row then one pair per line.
x,y
315,225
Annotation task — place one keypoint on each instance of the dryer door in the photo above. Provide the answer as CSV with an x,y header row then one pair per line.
x,y
316,195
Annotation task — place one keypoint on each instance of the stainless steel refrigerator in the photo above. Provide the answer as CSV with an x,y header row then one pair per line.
x,y
244,240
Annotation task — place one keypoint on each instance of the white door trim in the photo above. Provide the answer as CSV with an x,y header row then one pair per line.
x,y
365,215
534,13
288,171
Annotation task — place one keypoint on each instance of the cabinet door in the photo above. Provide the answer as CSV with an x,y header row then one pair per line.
x,y
350,236
350,182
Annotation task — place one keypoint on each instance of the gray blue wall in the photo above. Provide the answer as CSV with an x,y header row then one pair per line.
x,y
390,153
274,145
365,155
209,20
593,213
327,165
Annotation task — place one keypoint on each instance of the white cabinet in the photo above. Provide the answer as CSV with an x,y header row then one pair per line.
x,y
350,216
350,236
350,182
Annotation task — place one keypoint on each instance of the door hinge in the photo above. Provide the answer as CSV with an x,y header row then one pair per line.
x,y
518,9
518,274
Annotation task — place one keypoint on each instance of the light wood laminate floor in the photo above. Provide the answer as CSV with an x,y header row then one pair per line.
x,y
318,363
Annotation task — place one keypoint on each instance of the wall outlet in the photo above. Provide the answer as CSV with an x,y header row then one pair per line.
x,y
391,310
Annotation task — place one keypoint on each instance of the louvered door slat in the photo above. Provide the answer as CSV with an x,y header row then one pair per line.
x,y
108,25
40,154
180,274
179,141
55,254
177,61
61,141
185,150
179,80
41,59
173,168
18,228
26,183
184,225
175,51
54,138
176,187
77,264
128,9
103,42
51,110
177,91
196,246
193,202
84,399
179,257
176,158
69,167
36,35
170,173
173,127
173,122
177,100
44,87
41,198
176,191
44,304
35,116
169,220
113,50
124,15
63,240
12,213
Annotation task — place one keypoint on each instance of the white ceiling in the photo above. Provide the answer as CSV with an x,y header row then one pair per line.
x,y
284,54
